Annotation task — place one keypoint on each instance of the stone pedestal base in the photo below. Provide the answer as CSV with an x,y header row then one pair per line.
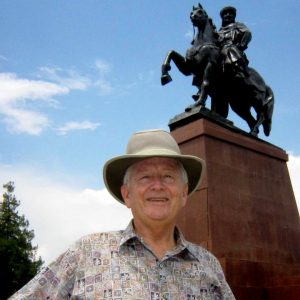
x,y
244,211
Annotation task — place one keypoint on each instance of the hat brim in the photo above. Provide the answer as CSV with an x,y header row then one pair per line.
x,y
114,171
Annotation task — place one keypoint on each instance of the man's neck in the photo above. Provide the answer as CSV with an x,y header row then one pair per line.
x,y
161,239
224,24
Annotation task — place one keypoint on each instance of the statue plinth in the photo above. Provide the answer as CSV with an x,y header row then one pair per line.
x,y
196,113
245,210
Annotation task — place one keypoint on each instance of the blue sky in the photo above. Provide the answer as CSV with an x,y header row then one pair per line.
x,y
78,77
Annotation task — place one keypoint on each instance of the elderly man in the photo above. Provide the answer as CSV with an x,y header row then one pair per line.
x,y
150,259
234,38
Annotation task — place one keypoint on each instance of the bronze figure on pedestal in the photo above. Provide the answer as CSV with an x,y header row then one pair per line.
x,y
220,70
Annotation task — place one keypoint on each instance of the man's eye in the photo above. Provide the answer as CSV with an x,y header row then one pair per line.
x,y
144,178
169,178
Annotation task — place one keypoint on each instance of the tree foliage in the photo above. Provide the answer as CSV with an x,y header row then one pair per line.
x,y
18,262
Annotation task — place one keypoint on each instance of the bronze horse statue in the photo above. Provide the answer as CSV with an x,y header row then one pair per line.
x,y
224,86
201,61
246,93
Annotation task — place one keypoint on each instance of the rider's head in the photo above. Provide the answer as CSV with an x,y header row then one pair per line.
x,y
228,15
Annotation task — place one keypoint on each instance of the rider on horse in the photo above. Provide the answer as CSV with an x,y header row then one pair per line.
x,y
234,38
220,70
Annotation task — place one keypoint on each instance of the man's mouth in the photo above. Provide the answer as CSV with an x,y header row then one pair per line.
x,y
157,199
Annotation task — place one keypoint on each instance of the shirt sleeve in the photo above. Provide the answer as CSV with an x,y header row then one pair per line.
x,y
224,289
53,282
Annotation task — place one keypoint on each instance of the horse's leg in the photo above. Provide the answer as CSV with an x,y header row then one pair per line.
x,y
207,74
264,114
252,123
180,63
268,111
263,106
244,112
219,105
165,68
260,119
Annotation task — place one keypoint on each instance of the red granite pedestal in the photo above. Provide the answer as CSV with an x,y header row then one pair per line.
x,y
244,211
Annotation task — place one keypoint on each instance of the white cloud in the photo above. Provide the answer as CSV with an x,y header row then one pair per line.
x,y
67,78
86,125
16,93
3,58
24,121
102,83
104,86
74,80
20,97
59,213
15,90
102,67
294,170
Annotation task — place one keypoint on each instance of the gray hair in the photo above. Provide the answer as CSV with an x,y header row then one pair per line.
x,y
182,170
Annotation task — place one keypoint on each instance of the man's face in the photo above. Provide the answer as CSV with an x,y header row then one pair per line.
x,y
156,191
228,17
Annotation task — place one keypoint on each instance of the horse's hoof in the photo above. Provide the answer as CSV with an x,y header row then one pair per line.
x,y
195,97
189,108
165,79
254,133
267,128
199,103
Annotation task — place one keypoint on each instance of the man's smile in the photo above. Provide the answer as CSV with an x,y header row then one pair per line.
x,y
157,199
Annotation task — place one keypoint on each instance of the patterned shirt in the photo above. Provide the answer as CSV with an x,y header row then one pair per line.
x,y
120,265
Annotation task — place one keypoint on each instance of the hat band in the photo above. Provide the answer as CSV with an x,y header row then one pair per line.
x,y
156,152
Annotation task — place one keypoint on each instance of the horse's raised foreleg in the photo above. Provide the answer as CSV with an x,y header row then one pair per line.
x,y
165,68
180,63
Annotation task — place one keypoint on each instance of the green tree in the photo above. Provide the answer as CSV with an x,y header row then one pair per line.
x,y
18,262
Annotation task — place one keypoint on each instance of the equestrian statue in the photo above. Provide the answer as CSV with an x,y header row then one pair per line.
x,y
220,70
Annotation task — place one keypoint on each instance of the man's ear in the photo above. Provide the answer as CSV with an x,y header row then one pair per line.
x,y
185,193
125,195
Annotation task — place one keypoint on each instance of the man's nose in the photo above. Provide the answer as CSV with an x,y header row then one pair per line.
x,y
157,182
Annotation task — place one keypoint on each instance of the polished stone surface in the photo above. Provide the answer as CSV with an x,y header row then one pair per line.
x,y
245,210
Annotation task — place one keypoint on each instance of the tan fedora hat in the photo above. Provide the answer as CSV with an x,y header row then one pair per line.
x,y
146,144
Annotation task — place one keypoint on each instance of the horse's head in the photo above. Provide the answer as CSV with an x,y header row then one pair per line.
x,y
204,24
198,16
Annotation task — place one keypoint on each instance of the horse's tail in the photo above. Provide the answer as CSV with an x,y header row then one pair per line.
x,y
268,108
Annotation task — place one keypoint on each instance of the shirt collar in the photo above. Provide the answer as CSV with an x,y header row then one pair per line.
x,y
130,233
